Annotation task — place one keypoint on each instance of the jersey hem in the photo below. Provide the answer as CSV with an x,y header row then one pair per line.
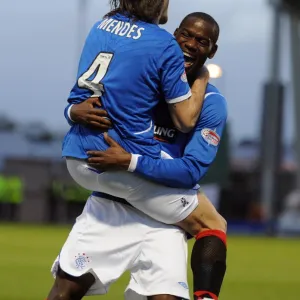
x,y
71,155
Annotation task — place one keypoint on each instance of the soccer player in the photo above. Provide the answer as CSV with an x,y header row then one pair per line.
x,y
132,63
197,36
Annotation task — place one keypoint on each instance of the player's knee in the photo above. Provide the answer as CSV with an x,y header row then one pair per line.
x,y
199,221
215,223
60,291
207,217
64,291
62,295
218,223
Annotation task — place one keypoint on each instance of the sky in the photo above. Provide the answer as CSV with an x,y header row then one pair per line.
x,y
41,41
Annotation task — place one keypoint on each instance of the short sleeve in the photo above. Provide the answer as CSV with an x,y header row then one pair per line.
x,y
174,82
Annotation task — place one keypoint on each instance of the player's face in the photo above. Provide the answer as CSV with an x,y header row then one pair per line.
x,y
164,15
195,37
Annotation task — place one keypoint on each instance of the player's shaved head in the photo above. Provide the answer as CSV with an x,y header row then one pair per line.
x,y
197,37
144,10
207,19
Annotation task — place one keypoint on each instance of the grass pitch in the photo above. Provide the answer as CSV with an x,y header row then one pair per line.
x,y
258,268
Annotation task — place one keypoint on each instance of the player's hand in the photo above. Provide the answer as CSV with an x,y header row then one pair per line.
x,y
114,158
87,114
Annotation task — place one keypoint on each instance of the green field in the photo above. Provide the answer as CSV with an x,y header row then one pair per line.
x,y
258,268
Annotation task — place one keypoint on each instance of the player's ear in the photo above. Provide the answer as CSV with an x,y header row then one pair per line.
x,y
213,51
176,32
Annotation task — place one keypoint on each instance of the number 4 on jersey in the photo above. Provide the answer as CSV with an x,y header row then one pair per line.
x,y
99,66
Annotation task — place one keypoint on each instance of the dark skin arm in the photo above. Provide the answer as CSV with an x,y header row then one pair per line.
x,y
89,114
112,159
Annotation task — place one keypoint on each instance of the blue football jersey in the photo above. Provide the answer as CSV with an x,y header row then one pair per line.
x,y
172,140
130,65
194,152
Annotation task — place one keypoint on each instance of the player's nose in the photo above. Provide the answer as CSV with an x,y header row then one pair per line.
x,y
191,45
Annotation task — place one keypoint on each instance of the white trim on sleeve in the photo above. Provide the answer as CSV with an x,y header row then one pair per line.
x,y
212,93
69,112
133,162
180,99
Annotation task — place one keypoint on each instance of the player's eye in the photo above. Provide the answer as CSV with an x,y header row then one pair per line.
x,y
203,42
185,34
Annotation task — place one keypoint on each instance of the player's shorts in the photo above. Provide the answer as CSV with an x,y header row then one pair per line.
x,y
165,204
110,238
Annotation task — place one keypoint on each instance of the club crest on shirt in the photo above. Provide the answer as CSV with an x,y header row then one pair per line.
x,y
184,77
210,136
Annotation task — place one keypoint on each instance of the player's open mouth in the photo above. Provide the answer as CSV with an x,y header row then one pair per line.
x,y
188,60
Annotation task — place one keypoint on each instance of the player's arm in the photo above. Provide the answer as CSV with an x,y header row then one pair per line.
x,y
184,103
186,113
199,153
88,113
182,172
67,115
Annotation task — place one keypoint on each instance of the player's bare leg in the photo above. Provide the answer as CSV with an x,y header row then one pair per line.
x,y
67,287
208,261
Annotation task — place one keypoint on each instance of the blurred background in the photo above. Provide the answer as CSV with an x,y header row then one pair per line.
x,y
254,182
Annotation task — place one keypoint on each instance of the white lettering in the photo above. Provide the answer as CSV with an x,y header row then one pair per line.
x,y
171,133
156,130
124,29
113,23
121,28
164,131
132,30
118,28
139,33
105,23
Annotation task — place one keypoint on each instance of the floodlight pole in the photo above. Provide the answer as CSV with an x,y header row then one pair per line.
x,y
271,131
295,55
275,43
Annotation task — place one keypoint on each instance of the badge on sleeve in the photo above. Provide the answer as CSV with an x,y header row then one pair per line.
x,y
184,77
210,136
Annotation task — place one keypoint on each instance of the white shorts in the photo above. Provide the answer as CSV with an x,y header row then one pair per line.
x,y
165,204
110,238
